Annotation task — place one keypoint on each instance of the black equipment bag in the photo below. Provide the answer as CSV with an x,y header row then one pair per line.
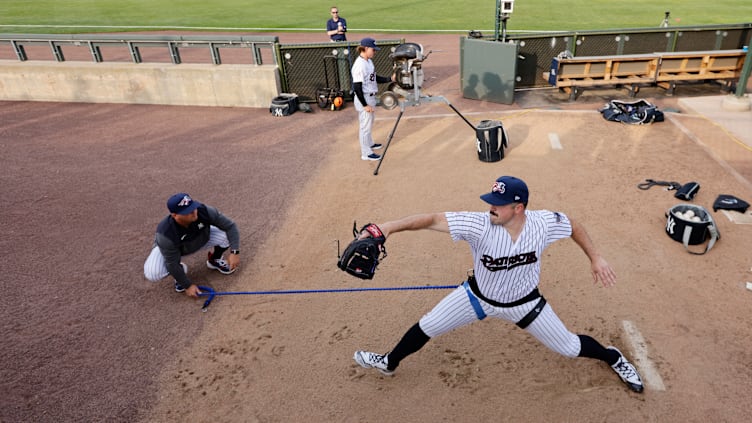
x,y
284,105
330,98
687,191
639,112
490,138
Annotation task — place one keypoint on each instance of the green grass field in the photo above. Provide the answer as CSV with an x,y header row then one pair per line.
x,y
74,16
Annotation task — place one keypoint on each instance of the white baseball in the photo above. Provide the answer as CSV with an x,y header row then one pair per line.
x,y
696,219
679,214
689,214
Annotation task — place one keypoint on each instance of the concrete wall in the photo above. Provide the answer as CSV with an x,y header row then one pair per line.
x,y
140,83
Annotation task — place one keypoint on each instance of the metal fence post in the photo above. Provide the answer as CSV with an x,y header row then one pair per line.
x,y
96,53
57,51
135,53
20,51
216,58
256,54
741,86
174,53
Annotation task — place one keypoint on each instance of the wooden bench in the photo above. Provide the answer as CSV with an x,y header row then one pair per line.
x,y
631,71
716,65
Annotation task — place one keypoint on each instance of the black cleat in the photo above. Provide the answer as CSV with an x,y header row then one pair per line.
x,y
627,372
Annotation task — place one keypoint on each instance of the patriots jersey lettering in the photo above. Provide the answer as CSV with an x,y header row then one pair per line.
x,y
508,263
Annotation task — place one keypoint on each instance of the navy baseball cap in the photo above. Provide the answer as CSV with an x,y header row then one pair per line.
x,y
369,42
506,190
182,203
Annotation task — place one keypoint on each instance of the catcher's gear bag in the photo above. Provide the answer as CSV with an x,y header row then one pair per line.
x,y
362,256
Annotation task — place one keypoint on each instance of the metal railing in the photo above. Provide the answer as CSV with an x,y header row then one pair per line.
x,y
306,67
134,43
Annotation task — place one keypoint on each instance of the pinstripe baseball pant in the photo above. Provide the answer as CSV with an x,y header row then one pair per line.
x,y
365,122
456,310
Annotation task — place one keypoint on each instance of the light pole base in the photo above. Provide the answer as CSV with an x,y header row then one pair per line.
x,y
732,103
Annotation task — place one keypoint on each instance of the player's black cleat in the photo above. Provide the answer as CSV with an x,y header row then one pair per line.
x,y
369,360
372,157
219,265
627,372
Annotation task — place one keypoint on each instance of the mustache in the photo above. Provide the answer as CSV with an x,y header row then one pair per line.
x,y
493,213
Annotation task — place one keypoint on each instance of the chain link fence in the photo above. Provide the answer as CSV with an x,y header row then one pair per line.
x,y
306,68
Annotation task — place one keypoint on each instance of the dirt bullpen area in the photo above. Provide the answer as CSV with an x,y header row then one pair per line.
x,y
87,338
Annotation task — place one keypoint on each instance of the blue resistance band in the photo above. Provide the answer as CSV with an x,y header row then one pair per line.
x,y
210,293
474,301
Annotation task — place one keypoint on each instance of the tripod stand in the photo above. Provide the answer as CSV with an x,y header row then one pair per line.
x,y
664,24
413,98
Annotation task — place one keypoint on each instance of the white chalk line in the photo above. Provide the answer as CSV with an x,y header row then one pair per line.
x,y
446,115
553,137
645,366
739,177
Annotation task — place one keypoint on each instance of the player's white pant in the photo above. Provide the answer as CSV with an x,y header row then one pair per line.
x,y
155,268
365,120
455,311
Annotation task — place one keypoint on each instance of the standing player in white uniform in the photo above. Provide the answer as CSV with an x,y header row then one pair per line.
x,y
365,87
507,244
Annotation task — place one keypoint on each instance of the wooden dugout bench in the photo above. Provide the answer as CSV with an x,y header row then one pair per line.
x,y
573,74
716,65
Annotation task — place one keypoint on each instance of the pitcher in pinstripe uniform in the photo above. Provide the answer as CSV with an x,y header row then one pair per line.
x,y
507,245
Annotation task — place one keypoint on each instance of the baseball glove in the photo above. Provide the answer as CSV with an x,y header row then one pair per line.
x,y
362,256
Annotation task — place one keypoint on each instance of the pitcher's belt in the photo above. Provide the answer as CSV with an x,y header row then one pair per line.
x,y
527,298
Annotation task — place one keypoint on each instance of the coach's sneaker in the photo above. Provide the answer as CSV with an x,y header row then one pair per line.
x,y
371,360
627,372
219,265
179,288
376,146
372,156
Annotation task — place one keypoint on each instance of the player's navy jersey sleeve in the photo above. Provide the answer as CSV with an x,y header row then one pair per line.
x,y
216,218
175,241
168,241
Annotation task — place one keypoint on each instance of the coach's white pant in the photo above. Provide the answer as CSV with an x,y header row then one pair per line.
x,y
455,311
365,120
155,268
